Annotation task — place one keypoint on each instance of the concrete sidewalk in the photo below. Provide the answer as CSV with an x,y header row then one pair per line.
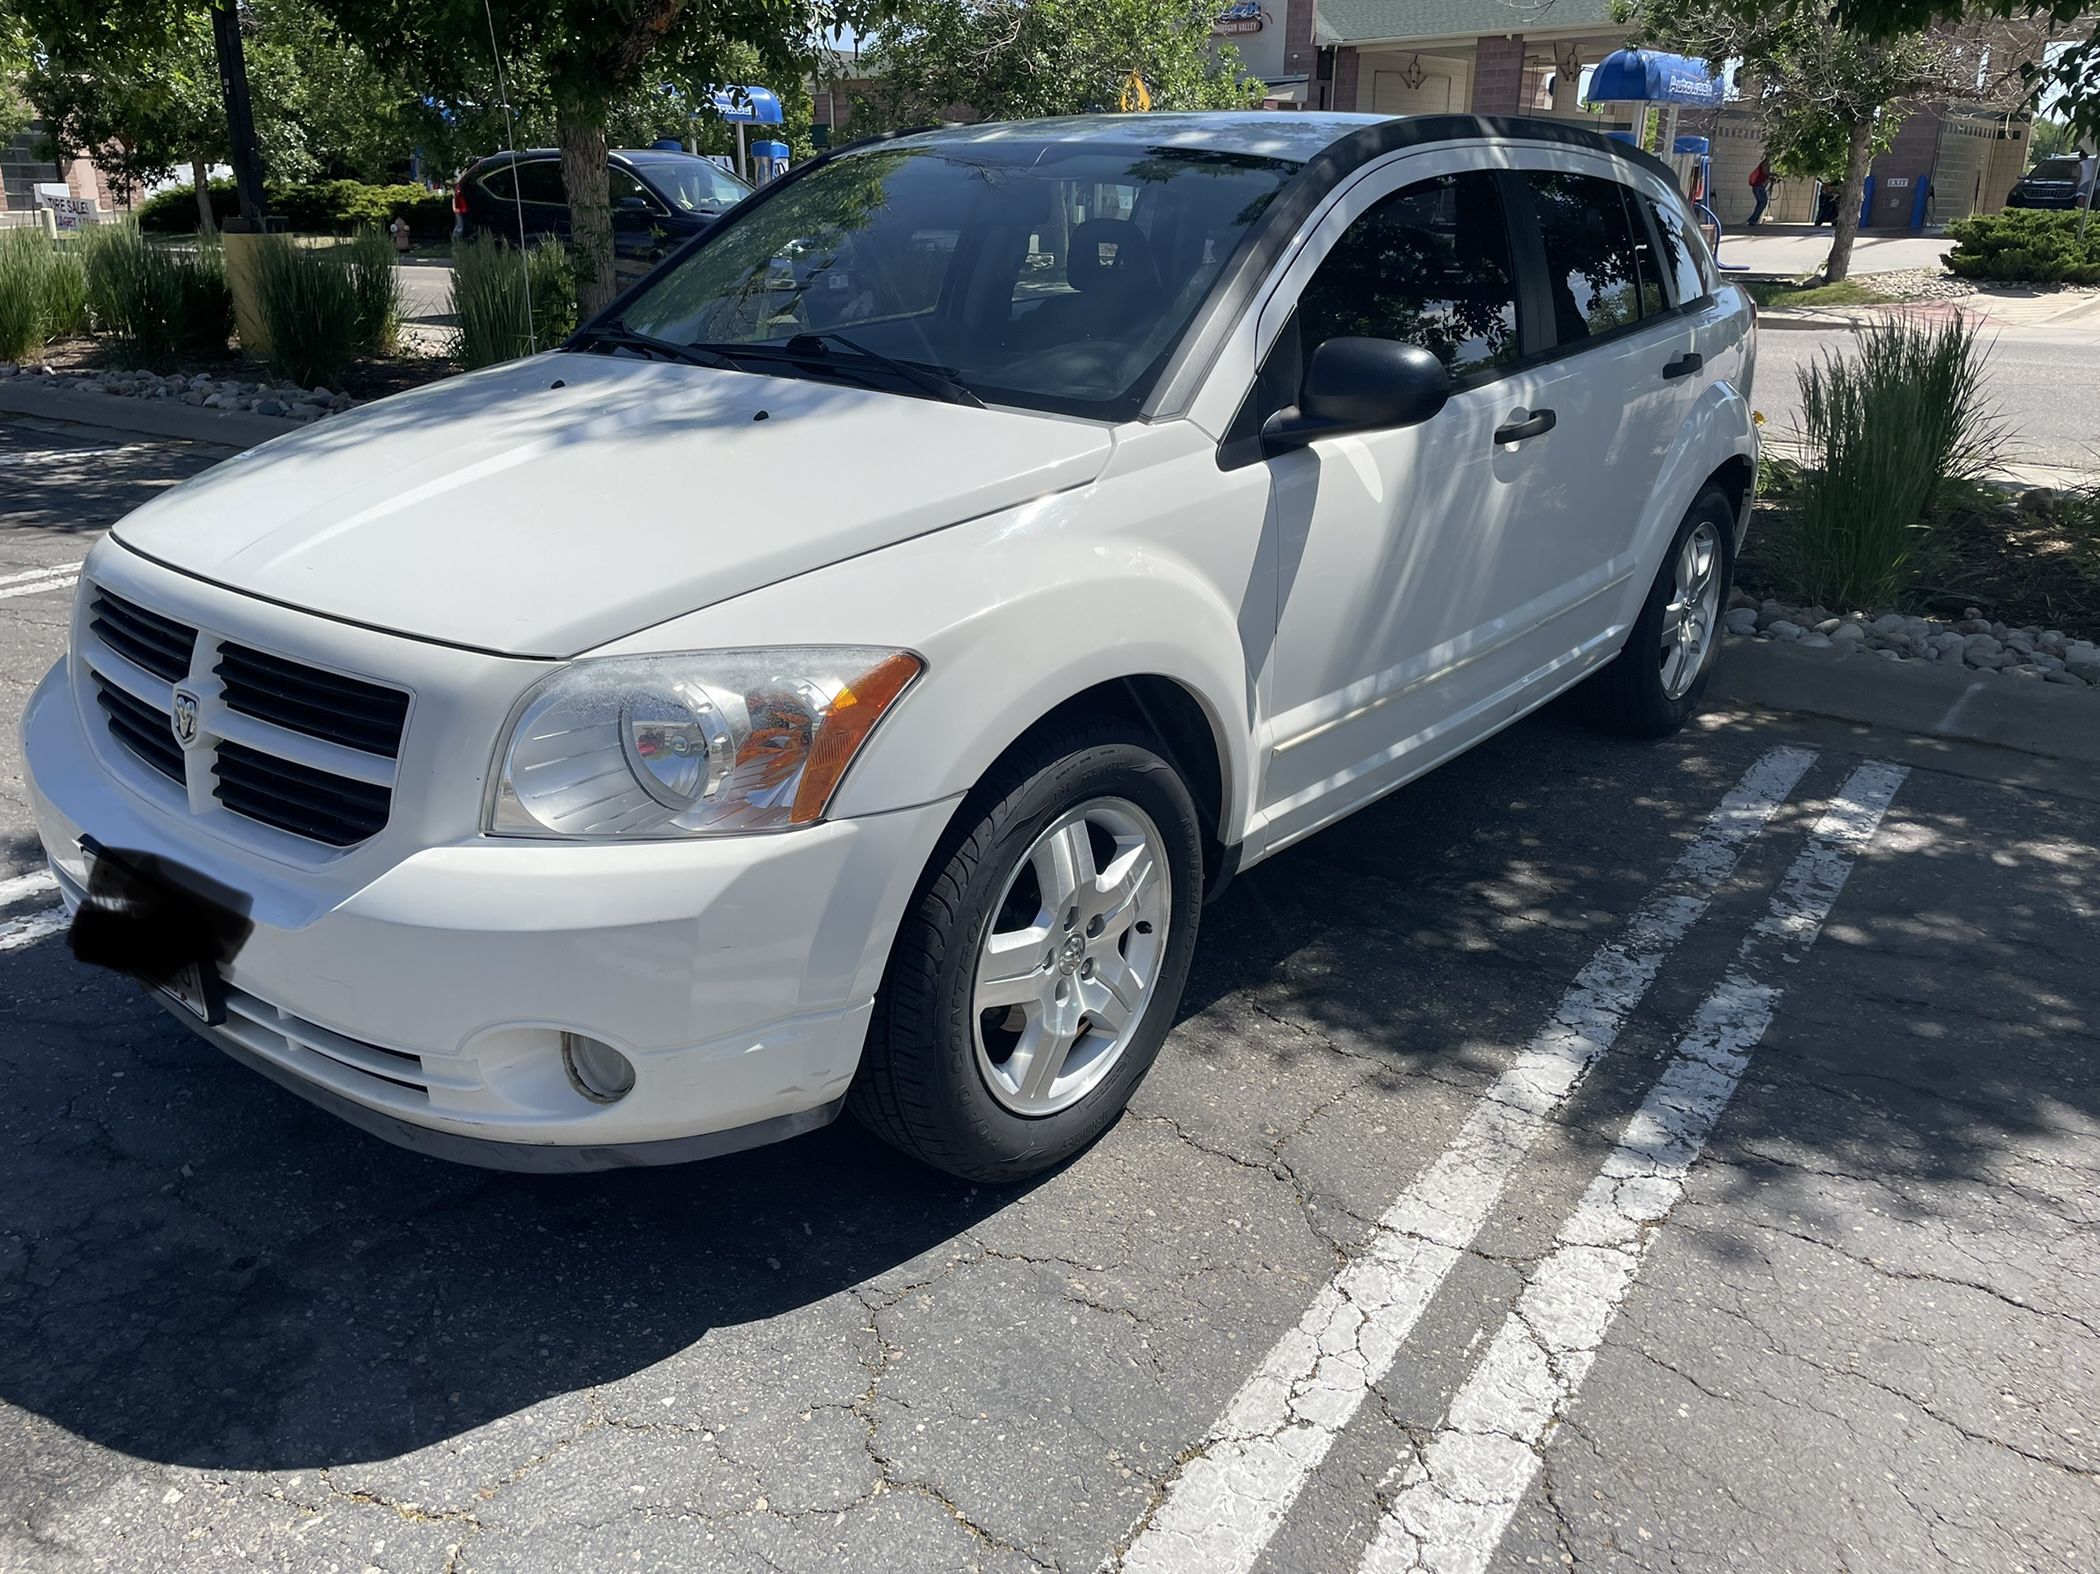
x,y
2000,306
1793,250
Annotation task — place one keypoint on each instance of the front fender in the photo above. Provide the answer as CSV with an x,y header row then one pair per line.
x,y
1014,614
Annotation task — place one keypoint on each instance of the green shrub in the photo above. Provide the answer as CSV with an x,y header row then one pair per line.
x,y
25,256
2025,245
490,286
318,207
158,305
326,307
65,293
1892,433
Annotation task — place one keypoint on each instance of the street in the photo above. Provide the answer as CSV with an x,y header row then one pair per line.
x,y
2045,383
1596,1154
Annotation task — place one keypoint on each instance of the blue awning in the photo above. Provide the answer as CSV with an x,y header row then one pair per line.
x,y
1644,76
754,106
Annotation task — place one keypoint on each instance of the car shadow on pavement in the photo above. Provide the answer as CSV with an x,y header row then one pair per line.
x,y
197,1268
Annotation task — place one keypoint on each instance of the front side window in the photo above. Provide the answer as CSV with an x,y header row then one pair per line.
x,y
1045,274
1429,265
1592,271
1684,260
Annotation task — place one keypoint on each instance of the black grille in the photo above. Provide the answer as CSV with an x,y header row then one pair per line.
x,y
160,645
349,711
297,798
141,728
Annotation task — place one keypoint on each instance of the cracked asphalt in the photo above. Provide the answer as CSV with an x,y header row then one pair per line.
x,y
1864,1336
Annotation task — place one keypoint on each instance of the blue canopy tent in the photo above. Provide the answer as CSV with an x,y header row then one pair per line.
x,y
741,107
1648,76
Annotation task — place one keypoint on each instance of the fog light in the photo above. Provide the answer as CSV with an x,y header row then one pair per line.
x,y
598,1071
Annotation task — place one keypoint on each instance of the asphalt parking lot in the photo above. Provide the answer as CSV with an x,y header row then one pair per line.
x,y
1679,1156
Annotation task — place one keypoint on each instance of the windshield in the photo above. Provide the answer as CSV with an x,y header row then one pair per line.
x,y
2055,169
1050,275
692,185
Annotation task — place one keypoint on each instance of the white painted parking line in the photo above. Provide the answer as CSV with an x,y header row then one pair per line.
x,y
1458,1494
15,933
46,572
27,457
1228,1499
21,887
39,587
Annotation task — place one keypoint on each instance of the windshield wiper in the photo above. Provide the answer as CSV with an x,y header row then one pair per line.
x,y
620,336
807,348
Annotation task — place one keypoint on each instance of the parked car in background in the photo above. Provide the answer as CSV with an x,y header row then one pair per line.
x,y
2055,183
843,676
659,199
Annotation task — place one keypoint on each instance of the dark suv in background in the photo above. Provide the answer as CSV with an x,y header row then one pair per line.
x,y
659,198
2053,183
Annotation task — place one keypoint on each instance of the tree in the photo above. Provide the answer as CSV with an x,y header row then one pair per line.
x,y
1015,59
587,59
1818,84
150,105
2068,81
14,67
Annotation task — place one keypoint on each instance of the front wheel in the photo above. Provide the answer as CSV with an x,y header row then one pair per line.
x,y
1034,979
1654,685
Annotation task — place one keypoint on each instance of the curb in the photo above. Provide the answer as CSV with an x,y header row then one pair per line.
x,y
147,417
1919,698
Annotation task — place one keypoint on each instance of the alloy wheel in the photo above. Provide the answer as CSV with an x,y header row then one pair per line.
x,y
1693,612
1070,956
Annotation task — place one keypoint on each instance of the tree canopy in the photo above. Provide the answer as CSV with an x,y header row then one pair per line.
x,y
1827,92
2069,82
1013,59
588,63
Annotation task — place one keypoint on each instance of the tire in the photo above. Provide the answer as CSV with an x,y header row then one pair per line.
x,y
1640,694
944,1078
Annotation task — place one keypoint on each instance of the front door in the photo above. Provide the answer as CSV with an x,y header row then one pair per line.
x,y
1401,554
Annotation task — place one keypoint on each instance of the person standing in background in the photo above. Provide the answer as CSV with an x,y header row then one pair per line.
x,y
1760,189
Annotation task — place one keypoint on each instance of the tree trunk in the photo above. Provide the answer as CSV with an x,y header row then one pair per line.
x,y
200,178
1845,222
580,131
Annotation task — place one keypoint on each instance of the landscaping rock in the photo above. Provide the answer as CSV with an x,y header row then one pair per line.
x,y
275,407
1847,634
1782,629
1742,620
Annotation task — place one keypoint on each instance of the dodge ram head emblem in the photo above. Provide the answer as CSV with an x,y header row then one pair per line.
x,y
185,718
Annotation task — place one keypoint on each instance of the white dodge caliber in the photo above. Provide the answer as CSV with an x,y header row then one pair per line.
x,y
837,676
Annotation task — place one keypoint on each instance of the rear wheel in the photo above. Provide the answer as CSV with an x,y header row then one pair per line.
x,y
1040,967
1655,684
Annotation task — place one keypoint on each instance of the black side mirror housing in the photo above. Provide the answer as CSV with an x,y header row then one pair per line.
x,y
1360,385
632,204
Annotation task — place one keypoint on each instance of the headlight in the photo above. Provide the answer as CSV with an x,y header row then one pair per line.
x,y
706,743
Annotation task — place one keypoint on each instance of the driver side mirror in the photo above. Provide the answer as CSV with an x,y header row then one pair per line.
x,y
631,204
1359,385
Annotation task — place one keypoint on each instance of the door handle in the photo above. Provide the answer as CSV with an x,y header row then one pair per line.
x,y
1685,364
1539,423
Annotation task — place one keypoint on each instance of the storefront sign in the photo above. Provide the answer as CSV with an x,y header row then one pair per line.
x,y
72,212
1246,16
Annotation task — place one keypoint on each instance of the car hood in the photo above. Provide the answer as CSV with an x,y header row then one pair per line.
x,y
547,506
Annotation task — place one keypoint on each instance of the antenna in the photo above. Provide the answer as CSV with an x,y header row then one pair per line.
x,y
517,191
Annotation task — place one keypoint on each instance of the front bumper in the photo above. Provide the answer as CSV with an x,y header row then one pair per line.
x,y
427,1001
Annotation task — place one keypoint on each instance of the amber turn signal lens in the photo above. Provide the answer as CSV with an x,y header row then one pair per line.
x,y
845,727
